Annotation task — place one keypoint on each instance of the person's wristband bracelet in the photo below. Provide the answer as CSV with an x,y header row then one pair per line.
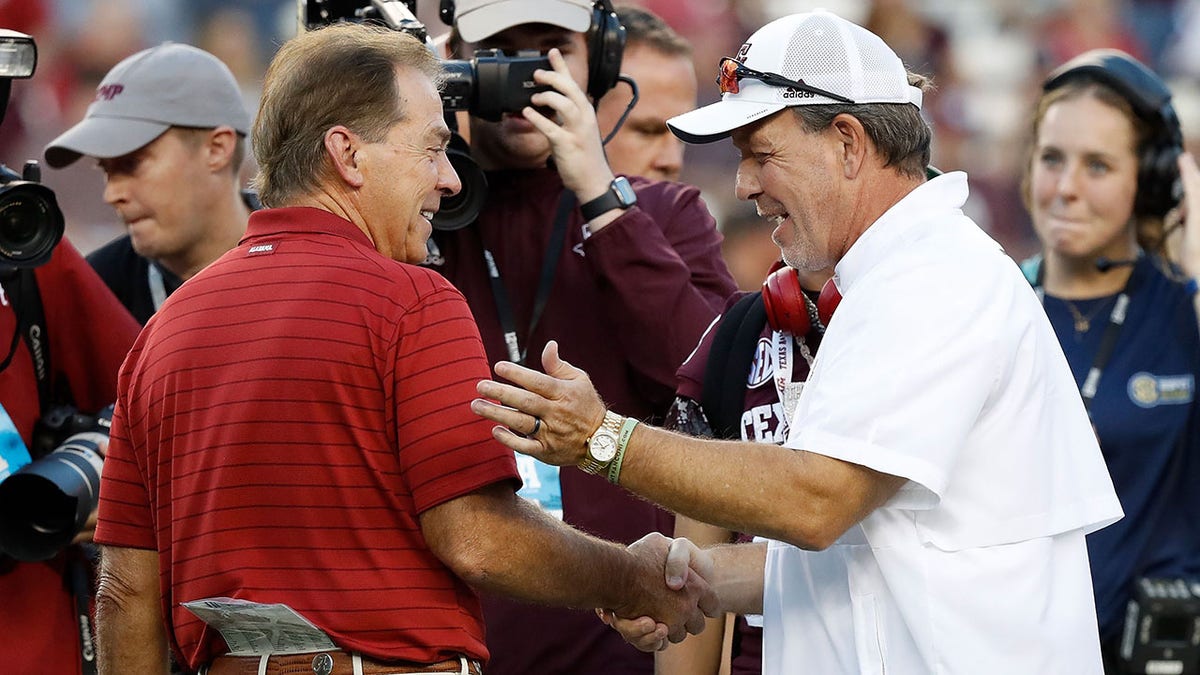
x,y
614,469
1192,286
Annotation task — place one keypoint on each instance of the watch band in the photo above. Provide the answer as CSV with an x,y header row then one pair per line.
x,y
611,426
614,467
614,198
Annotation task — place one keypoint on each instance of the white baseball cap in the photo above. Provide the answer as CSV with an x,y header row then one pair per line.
x,y
146,94
479,19
815,58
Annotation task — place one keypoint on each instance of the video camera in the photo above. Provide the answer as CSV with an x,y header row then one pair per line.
x,y
31,224
486,86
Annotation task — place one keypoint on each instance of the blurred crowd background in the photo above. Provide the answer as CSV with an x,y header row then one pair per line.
x,y
987,58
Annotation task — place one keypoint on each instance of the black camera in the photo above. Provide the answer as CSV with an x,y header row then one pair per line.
x,y
486,86
31,223
1162,628
47,502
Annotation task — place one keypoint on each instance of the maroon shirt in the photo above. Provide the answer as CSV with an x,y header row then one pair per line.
x,y
762,422
627,305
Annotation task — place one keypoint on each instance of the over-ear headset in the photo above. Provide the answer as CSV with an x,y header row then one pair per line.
x,y
789,310
605,44
1158,175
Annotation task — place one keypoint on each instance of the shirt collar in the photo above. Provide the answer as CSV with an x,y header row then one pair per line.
x,y
934,198
301,220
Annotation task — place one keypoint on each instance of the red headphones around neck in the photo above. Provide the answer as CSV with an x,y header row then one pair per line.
x,y
789,310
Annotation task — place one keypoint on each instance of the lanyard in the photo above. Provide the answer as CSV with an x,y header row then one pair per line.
x,y
782,344
158,289
558,236
1108,341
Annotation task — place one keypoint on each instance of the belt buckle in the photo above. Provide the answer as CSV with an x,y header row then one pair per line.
x,y
322,664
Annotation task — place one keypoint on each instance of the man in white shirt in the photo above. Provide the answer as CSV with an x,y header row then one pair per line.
x,y
928,510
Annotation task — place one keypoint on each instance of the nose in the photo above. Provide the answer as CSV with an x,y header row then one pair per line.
x,y
114,190
669,158
746,186
1066,184
448,182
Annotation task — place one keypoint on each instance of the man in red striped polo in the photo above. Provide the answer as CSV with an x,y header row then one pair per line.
x,y
292,426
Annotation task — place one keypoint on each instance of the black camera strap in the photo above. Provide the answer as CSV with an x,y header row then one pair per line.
x,y
554,248
79,581
22,290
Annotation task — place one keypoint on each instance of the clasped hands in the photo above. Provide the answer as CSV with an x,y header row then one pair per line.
x,y
684,572
550,416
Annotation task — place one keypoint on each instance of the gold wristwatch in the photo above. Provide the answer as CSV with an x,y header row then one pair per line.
x,y
602,446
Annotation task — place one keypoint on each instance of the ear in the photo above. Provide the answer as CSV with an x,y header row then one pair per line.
x,y
221,144
341,146
854,144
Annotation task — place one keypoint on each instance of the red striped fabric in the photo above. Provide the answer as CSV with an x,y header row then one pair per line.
x,y
281,423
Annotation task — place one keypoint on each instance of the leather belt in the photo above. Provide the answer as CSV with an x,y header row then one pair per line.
x,y
331,663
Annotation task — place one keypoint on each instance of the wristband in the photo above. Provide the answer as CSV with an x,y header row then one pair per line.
x,y
614,469
1192,286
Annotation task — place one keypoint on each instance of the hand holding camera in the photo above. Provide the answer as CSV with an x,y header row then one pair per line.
x,y
50,503
575,135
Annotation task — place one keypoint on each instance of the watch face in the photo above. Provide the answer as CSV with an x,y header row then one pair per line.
x,y
624,192
603,447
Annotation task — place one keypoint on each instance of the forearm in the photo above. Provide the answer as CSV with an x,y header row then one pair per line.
x,y
738,581
501,543
130,632
802,498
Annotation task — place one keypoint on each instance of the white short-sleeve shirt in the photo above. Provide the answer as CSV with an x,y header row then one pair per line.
x,y
939,366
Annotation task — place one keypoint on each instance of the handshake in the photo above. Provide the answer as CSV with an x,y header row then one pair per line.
x,y
677,597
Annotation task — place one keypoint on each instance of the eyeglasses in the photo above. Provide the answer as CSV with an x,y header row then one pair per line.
x,y
730,73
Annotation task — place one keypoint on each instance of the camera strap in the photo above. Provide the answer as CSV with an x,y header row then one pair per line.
x,y
26,302
554,248
80,584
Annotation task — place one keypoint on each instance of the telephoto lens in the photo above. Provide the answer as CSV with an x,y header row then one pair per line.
x,y
48,501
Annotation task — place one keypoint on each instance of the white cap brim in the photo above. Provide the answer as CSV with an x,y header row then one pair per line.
x,y
102,138
483,22
716,121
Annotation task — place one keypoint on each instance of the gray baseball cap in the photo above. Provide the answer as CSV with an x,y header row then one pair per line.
x,y
479,19
146,94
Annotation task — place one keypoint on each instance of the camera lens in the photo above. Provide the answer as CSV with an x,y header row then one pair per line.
x,y
47,502
458,211
31,224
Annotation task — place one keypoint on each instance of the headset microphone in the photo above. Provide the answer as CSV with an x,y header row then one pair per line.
x,y
1105,264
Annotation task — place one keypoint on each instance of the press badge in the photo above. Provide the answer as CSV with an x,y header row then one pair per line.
x,y
541,485
13,453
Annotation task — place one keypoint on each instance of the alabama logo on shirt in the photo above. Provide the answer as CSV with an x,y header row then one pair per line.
x,y
1148,390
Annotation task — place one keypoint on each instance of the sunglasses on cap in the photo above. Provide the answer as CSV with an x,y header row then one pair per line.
x,y
730,73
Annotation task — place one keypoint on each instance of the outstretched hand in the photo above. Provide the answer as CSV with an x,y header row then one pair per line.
x,y
684,565
547,415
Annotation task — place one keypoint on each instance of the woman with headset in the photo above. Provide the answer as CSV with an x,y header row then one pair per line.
x,y
1101,186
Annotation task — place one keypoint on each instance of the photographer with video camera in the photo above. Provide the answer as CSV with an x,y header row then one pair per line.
x,y
625,272
64,338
